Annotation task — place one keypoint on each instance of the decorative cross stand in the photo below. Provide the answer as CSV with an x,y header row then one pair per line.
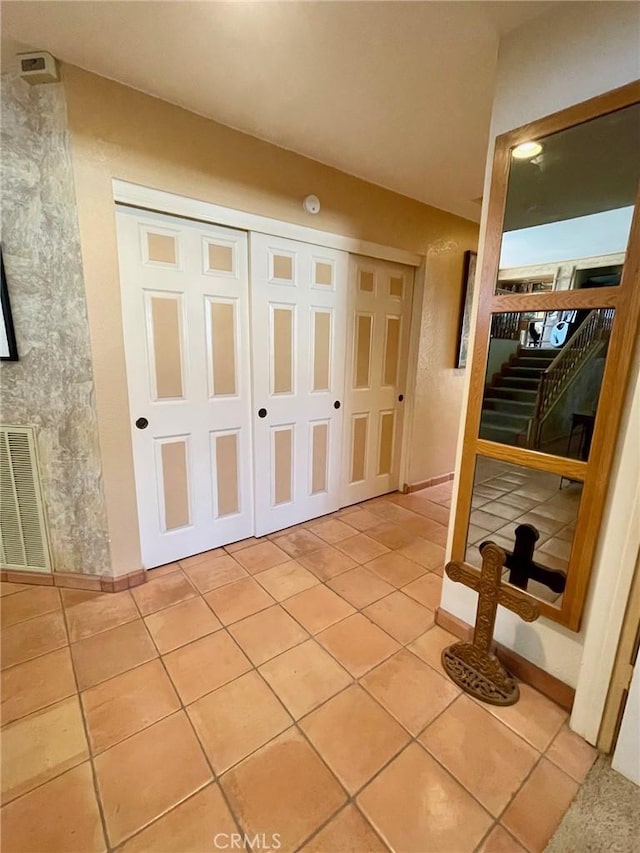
x,y
472,665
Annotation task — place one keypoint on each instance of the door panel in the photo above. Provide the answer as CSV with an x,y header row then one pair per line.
x,y
379,312
298,305
185,312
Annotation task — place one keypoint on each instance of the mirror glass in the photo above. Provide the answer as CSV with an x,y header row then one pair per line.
x,y
569,206
543,378
507,502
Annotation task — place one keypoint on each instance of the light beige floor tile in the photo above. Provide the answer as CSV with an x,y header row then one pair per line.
x,y
97,612
124,705
572,754
104,655
197,559
410,690
237,719
395,569
534,717
362,548
348,832
304,677
164,761
28,604
232,547
400,616
33,685
298,542
327,562
391,534
417,806
427,590
357,644
163,592
215,572
28,640
238,600
43,745
286,580
260,557
283,788
187,828
360,587
430,645
425,553
331,530
539,806
60,816
178,625
204,665
482,753
317,608
362,519
267,634
354,735
7,588
500,841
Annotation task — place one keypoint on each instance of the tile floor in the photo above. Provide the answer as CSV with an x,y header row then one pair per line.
x,y
288,688
506,495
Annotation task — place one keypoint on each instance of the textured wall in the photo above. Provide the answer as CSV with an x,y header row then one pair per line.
x,y
117,132
52,384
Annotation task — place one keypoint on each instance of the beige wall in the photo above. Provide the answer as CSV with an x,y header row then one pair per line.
x,y
572,53
120,133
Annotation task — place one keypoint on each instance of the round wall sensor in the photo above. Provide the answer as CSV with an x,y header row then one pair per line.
x,y
311,204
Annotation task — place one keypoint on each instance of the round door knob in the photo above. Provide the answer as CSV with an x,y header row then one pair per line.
x,y
336,405
262,413
400,397
142,423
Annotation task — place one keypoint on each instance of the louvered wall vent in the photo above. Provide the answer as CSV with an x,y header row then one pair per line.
x,y
23,533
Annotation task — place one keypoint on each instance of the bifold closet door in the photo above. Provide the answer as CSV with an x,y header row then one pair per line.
x,y
380,296
184,289
298,313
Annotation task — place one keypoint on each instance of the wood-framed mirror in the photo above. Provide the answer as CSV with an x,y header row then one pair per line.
x,y
555,331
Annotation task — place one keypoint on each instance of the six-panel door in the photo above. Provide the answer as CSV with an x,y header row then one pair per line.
x,y
242,425
380,295
185,312
298,312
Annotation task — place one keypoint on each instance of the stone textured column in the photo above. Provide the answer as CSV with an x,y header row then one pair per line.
x,y
51,386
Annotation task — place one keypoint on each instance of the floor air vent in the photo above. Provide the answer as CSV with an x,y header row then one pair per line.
x,y
23,534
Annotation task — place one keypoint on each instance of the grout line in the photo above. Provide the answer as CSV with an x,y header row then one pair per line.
x,y
94,774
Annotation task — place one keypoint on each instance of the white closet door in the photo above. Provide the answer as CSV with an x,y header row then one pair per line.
x,y
185,313
380,295
298,312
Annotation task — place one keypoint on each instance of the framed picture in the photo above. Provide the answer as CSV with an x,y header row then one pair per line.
x,y
468,278
8,348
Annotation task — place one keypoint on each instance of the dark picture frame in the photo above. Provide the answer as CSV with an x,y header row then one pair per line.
x,y
8,346
464,329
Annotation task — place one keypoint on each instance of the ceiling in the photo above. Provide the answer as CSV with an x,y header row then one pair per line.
x,y
397,93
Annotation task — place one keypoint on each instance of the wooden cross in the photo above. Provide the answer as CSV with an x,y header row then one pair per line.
x,y
472,665
522,566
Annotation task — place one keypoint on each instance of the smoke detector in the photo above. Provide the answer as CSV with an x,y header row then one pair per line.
x,y
312,204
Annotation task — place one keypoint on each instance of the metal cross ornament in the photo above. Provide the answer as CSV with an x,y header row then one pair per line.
x,y
472,665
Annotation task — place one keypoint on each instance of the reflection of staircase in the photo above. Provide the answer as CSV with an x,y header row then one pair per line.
x,y
510,398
